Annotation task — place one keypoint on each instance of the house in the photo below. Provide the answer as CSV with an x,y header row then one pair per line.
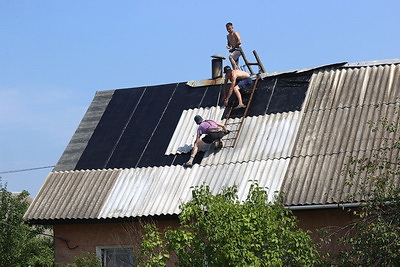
x,y
124,162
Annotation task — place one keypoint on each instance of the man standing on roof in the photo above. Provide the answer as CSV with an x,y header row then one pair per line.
x,y
234,43
239,80
213,132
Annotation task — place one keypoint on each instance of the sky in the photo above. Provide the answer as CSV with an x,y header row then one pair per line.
x,y
54,56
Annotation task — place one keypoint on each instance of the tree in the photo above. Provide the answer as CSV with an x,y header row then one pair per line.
x,y
373,238
85,260
19,243
220,230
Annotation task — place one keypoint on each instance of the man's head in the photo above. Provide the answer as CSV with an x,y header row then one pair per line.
x,y
229,26
198,119
227,69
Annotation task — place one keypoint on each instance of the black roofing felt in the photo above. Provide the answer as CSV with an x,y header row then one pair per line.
x,y
138,123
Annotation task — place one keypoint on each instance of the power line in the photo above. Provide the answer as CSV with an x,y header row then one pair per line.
x,y
26,170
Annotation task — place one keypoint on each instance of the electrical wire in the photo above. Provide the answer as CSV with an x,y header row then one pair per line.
x,y
26,170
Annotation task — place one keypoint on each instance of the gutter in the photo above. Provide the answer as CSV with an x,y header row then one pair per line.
x,y
325,206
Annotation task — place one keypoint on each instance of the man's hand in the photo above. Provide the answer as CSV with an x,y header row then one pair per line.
x,y
226,102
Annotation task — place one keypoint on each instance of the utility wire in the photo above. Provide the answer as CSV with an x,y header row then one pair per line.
x,y
26,170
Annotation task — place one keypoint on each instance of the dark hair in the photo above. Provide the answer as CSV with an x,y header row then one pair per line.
x,y
229,24
227,69
198,119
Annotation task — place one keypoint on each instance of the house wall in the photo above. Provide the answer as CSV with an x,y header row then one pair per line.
x,y
84,238
89,235
331,220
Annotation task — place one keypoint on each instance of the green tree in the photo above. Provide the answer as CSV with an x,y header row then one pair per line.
x,y
153,251
373,238
85,260
20,244
220,230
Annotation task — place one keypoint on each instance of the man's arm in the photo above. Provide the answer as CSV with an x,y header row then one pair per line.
x,y
233,80
197,139
222,126
224,88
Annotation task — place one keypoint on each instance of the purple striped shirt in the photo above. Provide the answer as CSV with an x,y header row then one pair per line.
x,y
205,125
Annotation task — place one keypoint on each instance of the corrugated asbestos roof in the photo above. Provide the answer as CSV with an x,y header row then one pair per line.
x,y
334,127
84,132
264,137
72,195
160,190
299,152
101,194
261,138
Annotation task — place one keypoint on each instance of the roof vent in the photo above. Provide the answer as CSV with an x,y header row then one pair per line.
x,y
216,66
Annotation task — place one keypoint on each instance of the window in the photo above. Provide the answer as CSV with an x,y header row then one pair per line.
x,y
115,256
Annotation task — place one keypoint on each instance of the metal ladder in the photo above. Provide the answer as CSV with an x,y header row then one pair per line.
x,y
233,126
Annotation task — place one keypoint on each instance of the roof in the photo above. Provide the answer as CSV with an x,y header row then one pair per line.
x,y
334,127
134,192
125,159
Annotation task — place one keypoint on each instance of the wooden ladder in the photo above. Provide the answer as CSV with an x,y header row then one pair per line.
x,y
233,126
258,63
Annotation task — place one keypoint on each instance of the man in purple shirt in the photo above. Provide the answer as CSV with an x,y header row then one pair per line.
x,y
213,132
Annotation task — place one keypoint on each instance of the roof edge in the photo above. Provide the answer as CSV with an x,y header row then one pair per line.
x,y
373,63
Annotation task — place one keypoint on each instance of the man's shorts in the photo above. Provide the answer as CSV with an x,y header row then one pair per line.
x,y
236,54
243,84
211,137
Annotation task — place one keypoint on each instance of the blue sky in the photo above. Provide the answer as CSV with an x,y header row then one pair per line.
x,y
56,54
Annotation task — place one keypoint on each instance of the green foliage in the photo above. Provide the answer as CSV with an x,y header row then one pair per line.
x,y
373,239
86,260
220,230
152,251
19,243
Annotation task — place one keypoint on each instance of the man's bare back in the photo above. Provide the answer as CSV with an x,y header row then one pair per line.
x,y
238,75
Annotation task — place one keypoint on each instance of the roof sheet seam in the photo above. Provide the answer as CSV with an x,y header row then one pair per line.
x,y
340,152
304,156
124,129
243,161
156,127
355,106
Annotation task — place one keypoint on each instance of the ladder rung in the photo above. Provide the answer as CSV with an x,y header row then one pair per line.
x,y
237,131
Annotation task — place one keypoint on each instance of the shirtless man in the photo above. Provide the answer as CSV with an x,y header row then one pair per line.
x,y
239,80
234,43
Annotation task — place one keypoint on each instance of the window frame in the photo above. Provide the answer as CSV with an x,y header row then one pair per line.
x,y
100,250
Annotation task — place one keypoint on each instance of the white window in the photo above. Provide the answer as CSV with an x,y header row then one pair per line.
x,y
115,256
